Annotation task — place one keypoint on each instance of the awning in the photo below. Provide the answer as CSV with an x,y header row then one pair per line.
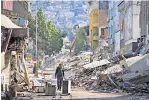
x,y
20,32
17,30
96,64
7,23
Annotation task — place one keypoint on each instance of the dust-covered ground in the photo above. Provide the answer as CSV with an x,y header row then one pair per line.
x,y
79,94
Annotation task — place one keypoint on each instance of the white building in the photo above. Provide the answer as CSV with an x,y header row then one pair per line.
x,y
131,24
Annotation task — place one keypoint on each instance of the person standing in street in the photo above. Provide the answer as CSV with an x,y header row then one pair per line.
x,y
59,74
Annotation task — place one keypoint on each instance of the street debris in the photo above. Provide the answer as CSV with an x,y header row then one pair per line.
x,y
109,77
94,72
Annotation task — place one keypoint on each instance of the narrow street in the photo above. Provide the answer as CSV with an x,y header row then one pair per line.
x,y
81,94
74,50
85,95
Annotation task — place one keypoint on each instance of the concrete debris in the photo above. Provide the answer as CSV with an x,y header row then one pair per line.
x,y
95,64
109,78
14,87
89,82
76,61
106,83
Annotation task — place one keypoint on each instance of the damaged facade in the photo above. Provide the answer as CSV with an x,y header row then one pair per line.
x,y
127,25
98,27
15,33
144,18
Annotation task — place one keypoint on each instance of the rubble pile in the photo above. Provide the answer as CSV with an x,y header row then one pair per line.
x,y
76,61
97,55
101,52
106,83
113,78
90,81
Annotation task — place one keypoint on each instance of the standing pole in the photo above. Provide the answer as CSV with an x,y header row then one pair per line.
x,y
36,72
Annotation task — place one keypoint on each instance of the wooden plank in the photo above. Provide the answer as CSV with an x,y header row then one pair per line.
x,y
5,45
21,77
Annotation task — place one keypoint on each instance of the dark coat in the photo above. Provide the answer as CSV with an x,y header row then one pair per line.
x,y
59,73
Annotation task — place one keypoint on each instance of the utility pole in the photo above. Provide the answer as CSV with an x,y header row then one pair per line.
x,y
36,69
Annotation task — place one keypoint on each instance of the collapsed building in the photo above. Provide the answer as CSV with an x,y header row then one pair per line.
x,y
121,73
130,75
